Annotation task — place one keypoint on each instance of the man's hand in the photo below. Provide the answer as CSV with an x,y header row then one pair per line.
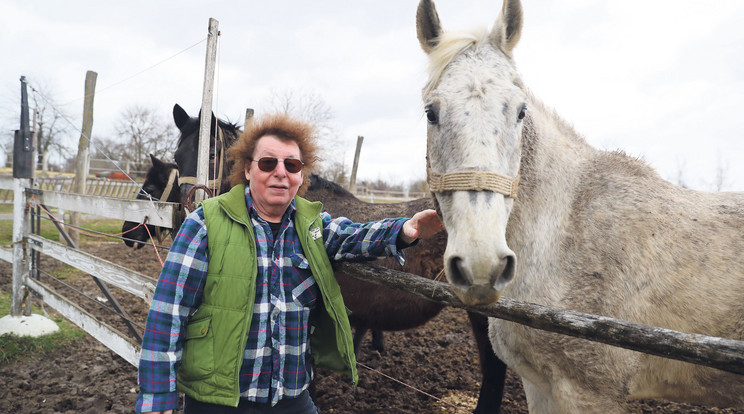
x,y
422,225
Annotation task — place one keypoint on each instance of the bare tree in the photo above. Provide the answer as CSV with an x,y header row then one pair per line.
x,y
310,107
141,132
53,125
681,164
722,179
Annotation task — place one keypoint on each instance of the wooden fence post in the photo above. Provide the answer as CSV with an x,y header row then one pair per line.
x,y
248,118
21,262
205,122
352,180
22,177
82,162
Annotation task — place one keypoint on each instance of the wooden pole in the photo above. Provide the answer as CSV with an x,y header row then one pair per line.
x,y
82,162
352,180
21,260
248,118
205,122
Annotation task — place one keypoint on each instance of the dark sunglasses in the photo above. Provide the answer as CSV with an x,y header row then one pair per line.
x,y
267,164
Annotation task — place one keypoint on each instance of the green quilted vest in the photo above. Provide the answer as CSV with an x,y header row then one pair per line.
x,y
216,334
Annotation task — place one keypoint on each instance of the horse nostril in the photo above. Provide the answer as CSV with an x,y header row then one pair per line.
x,y
458,275
505,272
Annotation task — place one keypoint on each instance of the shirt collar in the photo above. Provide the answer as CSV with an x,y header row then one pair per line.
x,y
288,215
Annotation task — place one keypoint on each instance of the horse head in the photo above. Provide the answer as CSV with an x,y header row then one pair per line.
x,y
160,185
222,134
475,107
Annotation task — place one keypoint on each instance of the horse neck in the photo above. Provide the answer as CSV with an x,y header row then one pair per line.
x,y
553,155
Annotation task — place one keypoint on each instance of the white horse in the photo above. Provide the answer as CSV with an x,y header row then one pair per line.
x,y
588,230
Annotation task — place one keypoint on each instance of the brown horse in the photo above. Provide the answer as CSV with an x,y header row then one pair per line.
x,y
380,308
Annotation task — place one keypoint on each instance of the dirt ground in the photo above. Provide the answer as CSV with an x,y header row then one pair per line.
x,y
420,366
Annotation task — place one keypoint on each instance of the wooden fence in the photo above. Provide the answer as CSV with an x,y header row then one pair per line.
x,y
719,353
26,244
94,186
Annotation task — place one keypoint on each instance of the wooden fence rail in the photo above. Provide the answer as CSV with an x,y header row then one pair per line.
x,y
724,354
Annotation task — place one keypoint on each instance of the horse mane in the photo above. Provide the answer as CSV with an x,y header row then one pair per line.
x,y
450,45
318,183
231,130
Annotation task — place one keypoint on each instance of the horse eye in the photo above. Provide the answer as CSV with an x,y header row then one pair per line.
x,y
432,116
522,112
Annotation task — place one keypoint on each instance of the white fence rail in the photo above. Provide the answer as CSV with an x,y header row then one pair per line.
x,y
25,244
94,186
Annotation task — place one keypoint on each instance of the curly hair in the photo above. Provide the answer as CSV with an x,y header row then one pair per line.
x,y
286,129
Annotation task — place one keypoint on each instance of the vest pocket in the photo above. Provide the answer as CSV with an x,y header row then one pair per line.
x,y
198,350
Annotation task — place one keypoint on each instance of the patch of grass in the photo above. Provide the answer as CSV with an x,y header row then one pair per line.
x,y
65,271
13,347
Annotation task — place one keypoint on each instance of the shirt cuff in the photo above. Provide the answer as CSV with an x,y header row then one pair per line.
x,y
395,246
147,402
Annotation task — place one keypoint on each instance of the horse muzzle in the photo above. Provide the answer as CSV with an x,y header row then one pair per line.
x,y
479,281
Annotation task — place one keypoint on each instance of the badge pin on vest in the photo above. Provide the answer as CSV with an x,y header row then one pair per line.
x,y
315,233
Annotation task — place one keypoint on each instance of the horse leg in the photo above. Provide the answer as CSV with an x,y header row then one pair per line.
x,y
564,395
538,401
359,332
378,341
493,370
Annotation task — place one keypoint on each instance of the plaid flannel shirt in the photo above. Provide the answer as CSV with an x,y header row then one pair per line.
x,y
276,361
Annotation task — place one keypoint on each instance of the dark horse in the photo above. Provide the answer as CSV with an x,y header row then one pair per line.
x,y
160,185
222,134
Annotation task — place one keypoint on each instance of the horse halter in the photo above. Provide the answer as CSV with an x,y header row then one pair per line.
x,y
215,183
172,179
473,180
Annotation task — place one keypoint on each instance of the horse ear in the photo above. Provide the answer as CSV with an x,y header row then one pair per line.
x,y
428,27
180,116
213,123
508,27
155,160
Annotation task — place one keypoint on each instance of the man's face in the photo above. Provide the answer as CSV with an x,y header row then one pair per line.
x,y
273,191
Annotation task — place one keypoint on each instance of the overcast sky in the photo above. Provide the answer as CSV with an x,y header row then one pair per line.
x,y
659,79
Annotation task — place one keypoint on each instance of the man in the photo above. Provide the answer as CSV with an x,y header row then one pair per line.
x,y
247,294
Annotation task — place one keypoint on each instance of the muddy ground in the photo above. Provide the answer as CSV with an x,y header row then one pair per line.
x,y
436,361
